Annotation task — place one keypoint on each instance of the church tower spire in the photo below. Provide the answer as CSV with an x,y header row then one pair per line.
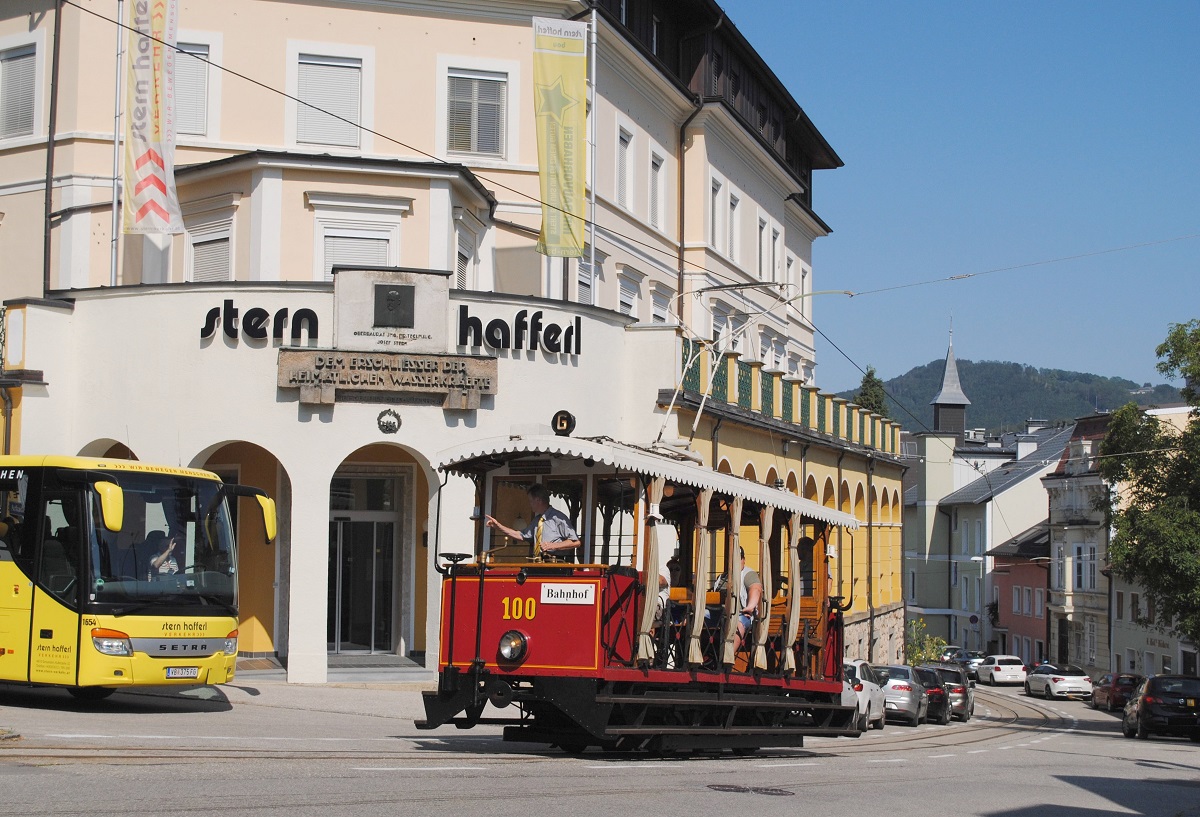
x,y
950,404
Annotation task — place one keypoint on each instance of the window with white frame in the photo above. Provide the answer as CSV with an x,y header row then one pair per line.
x,y
774,255
1135,607
762,250
1166,664
1016,600
208,238
476,112
964,593
1060,577
624,157
464,259
355,231
191,89
978,537
330,94
1119,612
720,326
1039,602
1027,596
965,538
587,278
1089,641
732,247
655,34
627,296
657,191
1089,575
18,91
660,305
737,331
714,214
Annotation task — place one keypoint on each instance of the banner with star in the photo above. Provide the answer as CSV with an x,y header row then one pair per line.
x,y
560,96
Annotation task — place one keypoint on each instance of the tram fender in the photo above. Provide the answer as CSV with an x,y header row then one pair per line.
x,y
456,692
576,699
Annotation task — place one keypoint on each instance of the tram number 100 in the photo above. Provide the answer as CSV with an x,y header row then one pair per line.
x,y
517,609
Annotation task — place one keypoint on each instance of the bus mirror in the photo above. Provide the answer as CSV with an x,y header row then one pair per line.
x,y
270,521
112,504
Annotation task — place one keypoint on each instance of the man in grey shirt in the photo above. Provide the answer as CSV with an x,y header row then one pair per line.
x,y
550,531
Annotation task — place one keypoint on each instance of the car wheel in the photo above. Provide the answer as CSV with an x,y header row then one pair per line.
x,y
882,722
1092,703
1028,691
1046,692
862,722
1127,730
1142,732
944,718
1111,708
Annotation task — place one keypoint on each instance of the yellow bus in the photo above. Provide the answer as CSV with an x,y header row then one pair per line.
x,y
117,573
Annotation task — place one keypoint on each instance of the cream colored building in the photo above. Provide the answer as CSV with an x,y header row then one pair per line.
x,y
394,141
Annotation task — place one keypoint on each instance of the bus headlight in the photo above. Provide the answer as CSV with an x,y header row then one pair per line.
x,y
111,642
231,643
513,646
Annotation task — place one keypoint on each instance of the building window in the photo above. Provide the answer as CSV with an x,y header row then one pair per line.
x,y
191,89
624,144
1135,607
476,112
656,191
912,585
330,94
361,231
208,239
627,298
714,213
655,34
1059,567
1039,602
1089,641
964,594
1166,664
1027,595
774,255
464,261
762,250
978,537
1017,600
18,91
587,278
660,304
1120,605
734,201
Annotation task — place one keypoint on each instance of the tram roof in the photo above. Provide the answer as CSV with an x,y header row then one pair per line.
x,y
483,455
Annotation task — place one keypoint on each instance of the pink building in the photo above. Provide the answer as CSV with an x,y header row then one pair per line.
x,y
1020,585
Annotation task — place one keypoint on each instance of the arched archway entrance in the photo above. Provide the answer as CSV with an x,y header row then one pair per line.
x,y
378,502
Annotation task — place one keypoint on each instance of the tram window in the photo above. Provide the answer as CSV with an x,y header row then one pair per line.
x,y
615,537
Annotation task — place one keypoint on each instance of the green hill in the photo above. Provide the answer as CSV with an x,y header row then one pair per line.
x,y
1004,395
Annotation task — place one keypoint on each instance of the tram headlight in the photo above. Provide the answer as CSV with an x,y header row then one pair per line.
x,y
111,642
513,646
231,643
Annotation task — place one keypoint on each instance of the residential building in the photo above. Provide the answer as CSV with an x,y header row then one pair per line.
x,y
359,193
1017,613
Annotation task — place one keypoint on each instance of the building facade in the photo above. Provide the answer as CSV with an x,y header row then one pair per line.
x,y
357,287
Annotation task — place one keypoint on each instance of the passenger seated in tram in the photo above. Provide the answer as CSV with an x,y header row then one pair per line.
x,y
550,532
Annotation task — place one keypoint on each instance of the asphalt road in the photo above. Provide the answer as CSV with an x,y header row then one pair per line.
x,y
262,747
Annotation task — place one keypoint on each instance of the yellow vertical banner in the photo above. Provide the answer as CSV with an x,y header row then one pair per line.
x,y
150,203
560,102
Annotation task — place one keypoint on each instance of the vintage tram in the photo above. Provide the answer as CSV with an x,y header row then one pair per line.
x,y
633,643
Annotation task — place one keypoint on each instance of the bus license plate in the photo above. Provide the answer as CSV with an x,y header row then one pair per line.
x,y
183,672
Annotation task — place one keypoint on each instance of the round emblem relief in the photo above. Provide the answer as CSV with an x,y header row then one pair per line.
x,y
389,421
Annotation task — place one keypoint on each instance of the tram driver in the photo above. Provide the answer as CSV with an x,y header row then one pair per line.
x,y
550,532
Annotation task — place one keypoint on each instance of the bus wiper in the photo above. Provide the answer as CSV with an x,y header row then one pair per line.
x,y
214,599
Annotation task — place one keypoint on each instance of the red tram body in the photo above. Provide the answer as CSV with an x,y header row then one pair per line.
x,y
566,654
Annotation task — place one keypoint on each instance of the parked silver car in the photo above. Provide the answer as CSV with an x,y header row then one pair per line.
x,y
903,694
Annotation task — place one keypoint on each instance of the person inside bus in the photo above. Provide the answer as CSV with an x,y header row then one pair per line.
x,y
163,562
550,532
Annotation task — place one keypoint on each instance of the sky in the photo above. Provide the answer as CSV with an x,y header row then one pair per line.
x,y
1047,150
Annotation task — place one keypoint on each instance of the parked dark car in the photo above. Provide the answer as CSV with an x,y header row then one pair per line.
x,y
959,688
1164,705
1112,691
967,659
939,699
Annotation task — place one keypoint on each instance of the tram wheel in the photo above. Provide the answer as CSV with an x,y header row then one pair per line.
x,y
573,748
745,751
90,694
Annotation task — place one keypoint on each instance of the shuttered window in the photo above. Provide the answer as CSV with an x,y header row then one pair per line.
x,y
475,110
210,259
661,306
191,90
466,251
628,299
354,250
623,142
584,295
17,92
656,183
332,87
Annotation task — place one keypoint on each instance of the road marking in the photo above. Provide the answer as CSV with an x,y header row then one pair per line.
x,y
936,757
977,751
782,765
417,768
628,766
888,760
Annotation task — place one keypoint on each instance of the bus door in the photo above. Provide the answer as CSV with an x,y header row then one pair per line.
x,y
54,630
16,600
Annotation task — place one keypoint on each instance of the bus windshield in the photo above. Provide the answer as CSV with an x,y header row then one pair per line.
x,y
175,548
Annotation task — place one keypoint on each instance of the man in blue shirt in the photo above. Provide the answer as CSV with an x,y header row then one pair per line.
x,y
550,531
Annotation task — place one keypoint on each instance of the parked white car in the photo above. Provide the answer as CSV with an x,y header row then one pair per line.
x,y
872,710
1058,681
1002,669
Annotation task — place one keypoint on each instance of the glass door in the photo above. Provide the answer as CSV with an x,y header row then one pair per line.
x,y
361,583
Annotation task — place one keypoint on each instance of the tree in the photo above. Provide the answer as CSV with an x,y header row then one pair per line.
x,y
919,646
1154,503
871,394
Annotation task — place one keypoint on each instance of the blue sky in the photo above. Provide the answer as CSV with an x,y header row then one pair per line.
x,y
983,136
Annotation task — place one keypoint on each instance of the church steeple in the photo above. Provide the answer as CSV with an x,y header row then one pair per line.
x,y
950,404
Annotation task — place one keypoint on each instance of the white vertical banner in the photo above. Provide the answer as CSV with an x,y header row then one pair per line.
x,y
150,202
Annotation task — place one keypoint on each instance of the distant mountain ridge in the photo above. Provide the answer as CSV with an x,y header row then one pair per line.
x,y
1004,395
